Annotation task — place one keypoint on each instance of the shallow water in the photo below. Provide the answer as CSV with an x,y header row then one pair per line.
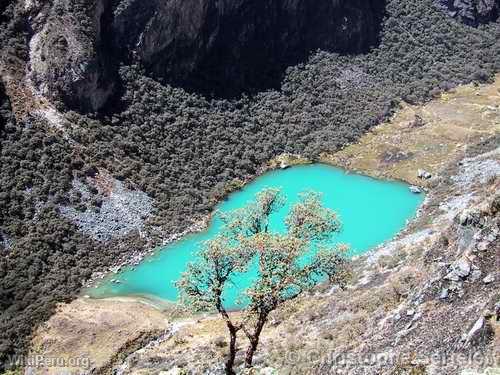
x,y
371,211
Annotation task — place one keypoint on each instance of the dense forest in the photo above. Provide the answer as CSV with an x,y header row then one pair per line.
x,y
183,149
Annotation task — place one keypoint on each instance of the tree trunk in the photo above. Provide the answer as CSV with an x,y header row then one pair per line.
x,y
250,352
233,330
254,341
232,350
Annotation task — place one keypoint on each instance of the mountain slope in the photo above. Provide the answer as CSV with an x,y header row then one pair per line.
x,y
414,301
171,152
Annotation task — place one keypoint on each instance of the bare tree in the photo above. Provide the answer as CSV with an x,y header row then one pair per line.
x,y
288,264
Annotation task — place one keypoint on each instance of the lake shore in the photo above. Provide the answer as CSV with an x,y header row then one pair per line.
x,y
417,138
359,201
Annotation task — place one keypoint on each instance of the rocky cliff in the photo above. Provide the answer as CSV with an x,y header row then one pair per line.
x,y
214,47
68,58
231,46
217,48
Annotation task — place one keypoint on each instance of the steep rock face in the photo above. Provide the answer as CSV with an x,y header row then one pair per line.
x,y
230,46
222,47
471,12
68,60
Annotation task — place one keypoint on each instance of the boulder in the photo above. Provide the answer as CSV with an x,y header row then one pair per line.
x,y
452,276
284,165
423,174
482,246
463,267
444,294
415,189
460,270
475,275
469,217
489,279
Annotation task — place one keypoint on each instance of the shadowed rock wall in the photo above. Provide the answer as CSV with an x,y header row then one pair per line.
x,y
220,48
231,46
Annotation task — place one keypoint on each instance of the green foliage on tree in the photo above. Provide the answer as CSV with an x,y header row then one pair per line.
x,y
284,272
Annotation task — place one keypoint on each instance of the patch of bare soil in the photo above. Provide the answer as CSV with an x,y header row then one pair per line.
x,y
89,333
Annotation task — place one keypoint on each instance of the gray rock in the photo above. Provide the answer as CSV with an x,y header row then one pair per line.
x,y
423,174
5,242
452,276
284,165
415,189
456,286
475,275
470,217
444,294
460,270
465,238
482,246
121,212
463,267
491,237
489,279
463,218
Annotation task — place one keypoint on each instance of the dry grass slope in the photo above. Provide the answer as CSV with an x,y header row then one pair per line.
x,y
426,137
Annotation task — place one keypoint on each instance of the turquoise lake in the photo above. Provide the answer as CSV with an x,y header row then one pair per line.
x,y
371,211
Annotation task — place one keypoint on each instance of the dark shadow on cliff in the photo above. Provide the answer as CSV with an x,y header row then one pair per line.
x,y
232,47
219,49
239,46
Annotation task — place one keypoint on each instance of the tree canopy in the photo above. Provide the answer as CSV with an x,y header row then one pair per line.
x,y
288,264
